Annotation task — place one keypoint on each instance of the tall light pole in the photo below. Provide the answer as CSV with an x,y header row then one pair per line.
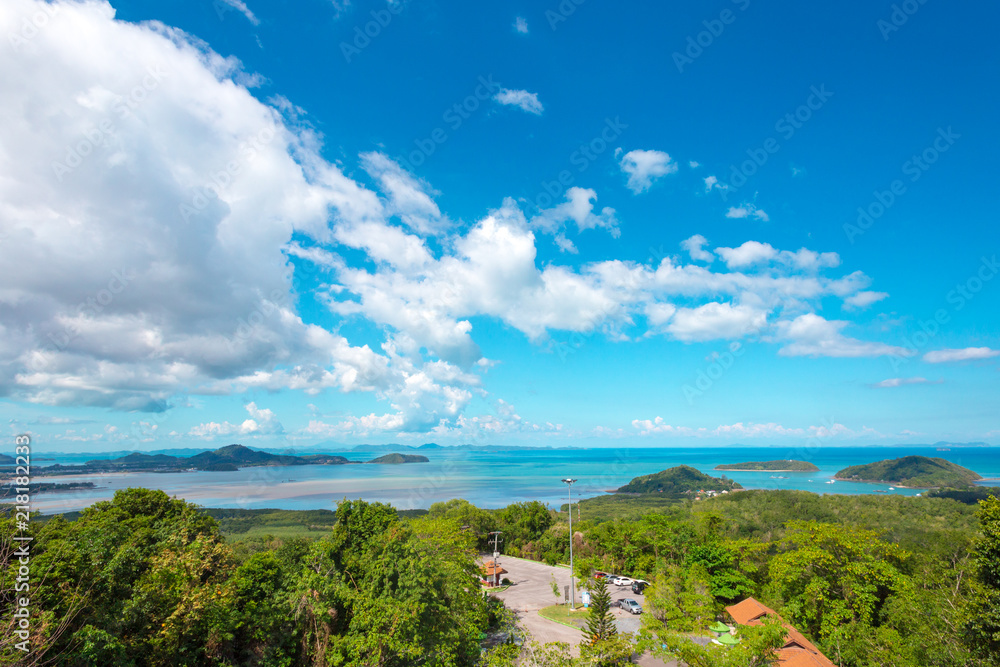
x,y
496,556
569,498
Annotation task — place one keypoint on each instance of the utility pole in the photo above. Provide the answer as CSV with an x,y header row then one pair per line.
x,y
495,534
569,498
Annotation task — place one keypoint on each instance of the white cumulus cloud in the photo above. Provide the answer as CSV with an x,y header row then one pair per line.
x,y
716,320
262,421
695,247
643,167
812,335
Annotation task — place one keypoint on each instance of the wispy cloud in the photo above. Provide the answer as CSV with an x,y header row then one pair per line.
x,y
520,98
341,6
747,210
965,354
899,382
521,25
242,8
59,421
864,299
712,183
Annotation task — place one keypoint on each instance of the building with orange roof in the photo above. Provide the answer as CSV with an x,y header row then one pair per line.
x,y
749,610
491,572
797,651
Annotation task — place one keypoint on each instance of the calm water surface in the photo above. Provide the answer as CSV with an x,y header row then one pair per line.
x,y
494,479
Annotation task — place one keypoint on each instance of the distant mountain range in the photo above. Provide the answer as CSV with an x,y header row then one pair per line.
x,y
228,458
330,446
393,447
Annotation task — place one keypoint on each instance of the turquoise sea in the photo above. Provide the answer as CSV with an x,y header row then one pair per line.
x,y
498,477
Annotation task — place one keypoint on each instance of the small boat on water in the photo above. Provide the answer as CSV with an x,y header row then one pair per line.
x,y
892,488
831,481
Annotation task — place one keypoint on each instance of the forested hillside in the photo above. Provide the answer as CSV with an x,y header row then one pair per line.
x,y
913,471
679,479
774,466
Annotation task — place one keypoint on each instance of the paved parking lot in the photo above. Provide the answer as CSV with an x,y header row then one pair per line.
x,y
531,590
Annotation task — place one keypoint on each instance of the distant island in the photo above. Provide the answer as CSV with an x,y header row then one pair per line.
x,y
911,471
224,459
679,479
10,491
769,466
400,458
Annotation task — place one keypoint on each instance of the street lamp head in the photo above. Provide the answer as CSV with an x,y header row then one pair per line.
x,y
569,480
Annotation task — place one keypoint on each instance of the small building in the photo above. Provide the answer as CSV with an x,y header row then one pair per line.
x,y
491,572
797,651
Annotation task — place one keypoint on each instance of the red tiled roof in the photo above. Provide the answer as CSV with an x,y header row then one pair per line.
x,y
797,657
794,639
797,650
490,568
749,610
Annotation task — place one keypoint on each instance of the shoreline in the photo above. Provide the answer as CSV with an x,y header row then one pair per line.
x,y
758,470
880,481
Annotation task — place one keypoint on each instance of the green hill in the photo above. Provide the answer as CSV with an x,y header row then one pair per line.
x,y
680,479
400,458
914,471
228,458
771,466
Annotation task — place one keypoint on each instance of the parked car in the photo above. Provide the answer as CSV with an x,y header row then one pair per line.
x,y
631,605
600,575
638,586
622,581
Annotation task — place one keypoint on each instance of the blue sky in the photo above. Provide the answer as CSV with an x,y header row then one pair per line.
x,y
554,224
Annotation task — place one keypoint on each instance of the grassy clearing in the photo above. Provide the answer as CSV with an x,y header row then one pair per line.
x,y
560,613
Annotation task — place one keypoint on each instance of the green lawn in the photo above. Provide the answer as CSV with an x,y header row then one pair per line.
x,y
560,613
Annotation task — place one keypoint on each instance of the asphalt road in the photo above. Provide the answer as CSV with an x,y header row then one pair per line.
x,y
531,590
